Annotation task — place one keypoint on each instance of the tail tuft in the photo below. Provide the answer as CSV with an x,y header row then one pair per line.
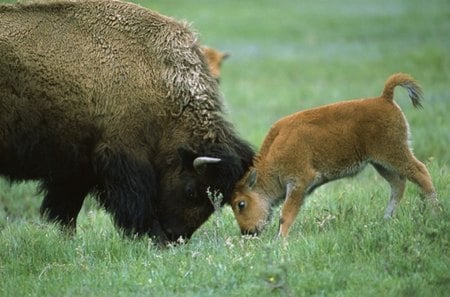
x,y
406,81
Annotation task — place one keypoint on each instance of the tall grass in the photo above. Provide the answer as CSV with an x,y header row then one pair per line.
x,y
285,56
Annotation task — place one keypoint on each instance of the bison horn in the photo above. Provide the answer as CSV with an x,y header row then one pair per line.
x,y
200,162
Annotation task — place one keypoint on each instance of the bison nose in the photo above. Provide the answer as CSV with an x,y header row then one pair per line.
x,y
170,234
175,237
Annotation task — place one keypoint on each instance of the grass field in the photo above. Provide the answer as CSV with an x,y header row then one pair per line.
x,y
285,56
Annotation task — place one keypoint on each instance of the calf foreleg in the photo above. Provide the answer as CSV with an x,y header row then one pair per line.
x,y
295,194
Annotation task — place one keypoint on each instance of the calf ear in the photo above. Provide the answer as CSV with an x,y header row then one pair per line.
x,y
225,55
252,178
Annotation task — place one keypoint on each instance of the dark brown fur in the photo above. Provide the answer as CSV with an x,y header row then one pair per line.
x,y
109,98
312,147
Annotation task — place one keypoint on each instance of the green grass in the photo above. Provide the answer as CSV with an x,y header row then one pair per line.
x,y
285,56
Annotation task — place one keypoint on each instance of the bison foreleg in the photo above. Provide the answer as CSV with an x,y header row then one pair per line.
x,y
128,191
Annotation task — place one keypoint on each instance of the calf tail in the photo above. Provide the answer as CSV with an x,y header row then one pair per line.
x,y
407,82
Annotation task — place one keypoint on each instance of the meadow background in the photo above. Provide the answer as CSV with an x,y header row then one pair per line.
x,y
286,55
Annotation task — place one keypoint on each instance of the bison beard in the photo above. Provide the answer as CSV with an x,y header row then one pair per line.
x,y
111,99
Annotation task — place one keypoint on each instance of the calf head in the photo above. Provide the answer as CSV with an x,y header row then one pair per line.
x,y
251,209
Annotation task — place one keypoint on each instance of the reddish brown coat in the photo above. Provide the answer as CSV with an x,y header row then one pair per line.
x,y
309,148
214,58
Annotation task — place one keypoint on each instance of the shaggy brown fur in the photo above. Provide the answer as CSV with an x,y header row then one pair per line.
x,y
214,58
309,148
109,98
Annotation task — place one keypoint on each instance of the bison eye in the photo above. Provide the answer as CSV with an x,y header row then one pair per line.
x,y
190,191
241,204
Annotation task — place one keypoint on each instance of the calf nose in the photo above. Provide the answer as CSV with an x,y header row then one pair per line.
x,y
249,232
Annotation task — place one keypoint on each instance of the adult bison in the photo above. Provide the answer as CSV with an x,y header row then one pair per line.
x,y
109,98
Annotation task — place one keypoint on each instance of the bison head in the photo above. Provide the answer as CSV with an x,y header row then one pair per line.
x,y
183,203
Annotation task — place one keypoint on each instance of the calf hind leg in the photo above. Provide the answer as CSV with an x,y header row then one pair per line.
x,y
397,183
418,173
406,165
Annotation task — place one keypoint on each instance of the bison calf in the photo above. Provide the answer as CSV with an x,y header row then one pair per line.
x,y
312,147
214,58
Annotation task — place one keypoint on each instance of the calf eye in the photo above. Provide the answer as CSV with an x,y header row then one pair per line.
x,y
241,204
